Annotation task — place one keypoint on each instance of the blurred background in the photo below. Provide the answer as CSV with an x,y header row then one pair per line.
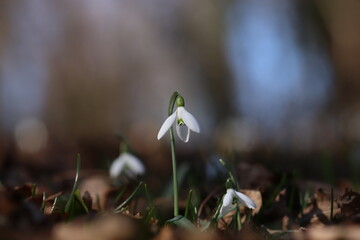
x,y
271,82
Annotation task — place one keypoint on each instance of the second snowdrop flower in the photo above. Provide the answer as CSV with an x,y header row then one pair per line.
x,y
232,196
185,122
126,164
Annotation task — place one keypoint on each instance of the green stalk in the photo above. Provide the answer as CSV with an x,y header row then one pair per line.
x,y
232,177
238,219
173,156
189,205
43,205
33,190
332,206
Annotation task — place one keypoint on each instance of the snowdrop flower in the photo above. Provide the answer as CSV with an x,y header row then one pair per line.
x,y
127,164
185,122
242,199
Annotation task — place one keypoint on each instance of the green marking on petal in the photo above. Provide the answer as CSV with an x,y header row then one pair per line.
x,y
180,122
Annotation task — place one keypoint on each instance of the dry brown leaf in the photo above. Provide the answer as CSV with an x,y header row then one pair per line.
x,y
349,232
6,204
255,195
98,186
224,222
23,191
349,204
288,223
52,197
171,233
107,227
198,235
319,210
166,233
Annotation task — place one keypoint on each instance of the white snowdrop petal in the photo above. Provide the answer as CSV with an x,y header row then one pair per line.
x,y
189,120
166,125
117,167
225,209
183,132
245,200
228,198
135,165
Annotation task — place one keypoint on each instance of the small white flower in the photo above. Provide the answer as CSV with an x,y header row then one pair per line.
x,y
185,122
128,164
242,199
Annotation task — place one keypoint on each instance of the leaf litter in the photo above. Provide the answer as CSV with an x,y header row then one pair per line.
x,y
286,209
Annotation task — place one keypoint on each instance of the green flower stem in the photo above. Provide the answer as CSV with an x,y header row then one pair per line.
x,y
332,205
232,177
238,219
173,156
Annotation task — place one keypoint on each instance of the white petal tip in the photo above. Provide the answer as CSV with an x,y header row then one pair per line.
x,y
166,125
251,205
189,120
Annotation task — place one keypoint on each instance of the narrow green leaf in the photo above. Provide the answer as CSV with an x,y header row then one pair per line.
x,y
61,202
151,209
332,205
188,204
304,200
150,213
33,190
149,198
71,199
190,210
127,201
54,205
80,200
181,174
76,205
276,191
248,215
181,221
120,194
42,209
205,225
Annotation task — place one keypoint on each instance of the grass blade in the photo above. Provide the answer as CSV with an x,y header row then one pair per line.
x,y
42,209
127,201
188,205
33,190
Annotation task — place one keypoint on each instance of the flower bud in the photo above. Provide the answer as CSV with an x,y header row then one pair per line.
x,y
180,101
229,184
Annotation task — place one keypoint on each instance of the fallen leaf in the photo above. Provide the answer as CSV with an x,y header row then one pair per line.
x,y
349,203
97,186
318,210
349,232
106,227
255,195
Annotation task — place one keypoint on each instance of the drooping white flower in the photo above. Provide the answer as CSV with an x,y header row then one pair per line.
x,y
185,122
127,164
242,199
